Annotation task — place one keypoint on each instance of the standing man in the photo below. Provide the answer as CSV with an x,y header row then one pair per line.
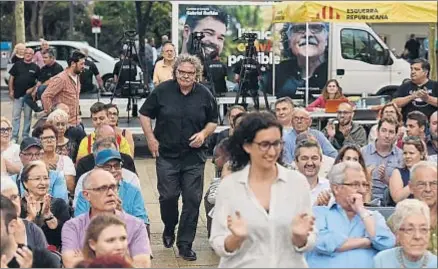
x,y
23,79
347,131
163,69
186,114
412,48
124,70
65,88
216,74
164,39
420,93
49,70
90,70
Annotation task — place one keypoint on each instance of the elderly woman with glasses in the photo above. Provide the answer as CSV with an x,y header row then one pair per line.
x,y
65,145
261,202
10,151
414,151
113,116
411,221
48,135
39,207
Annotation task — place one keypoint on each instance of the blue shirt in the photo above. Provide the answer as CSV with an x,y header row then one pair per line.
x,y
132,202
334,228
372,158
388,259
290,143
57,185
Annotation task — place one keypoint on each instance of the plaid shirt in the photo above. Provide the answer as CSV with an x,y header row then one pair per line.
x,y
63,89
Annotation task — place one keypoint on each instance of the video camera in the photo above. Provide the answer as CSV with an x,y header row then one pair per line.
x,y
249,36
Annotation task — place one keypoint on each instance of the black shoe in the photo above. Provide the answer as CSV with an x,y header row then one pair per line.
x,y
168,239
187,254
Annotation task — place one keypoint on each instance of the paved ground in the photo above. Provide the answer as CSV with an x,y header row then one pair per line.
x,y
163,257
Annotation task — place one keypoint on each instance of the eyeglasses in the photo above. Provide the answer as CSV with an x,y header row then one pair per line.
x,y
412,230
182,73
6,130
32,155
340,112
266,145
109,167
300,118
423,185
48,138
313,28
105,188
357,185
46,178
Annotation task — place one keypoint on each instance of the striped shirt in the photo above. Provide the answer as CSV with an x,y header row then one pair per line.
x,y
63,88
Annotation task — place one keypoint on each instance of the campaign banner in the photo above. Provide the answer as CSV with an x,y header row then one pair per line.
x,y
223,27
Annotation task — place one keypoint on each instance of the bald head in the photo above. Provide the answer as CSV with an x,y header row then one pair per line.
x,y
105,131
96,176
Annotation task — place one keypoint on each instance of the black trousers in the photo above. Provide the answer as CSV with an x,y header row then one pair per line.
x,y
175,177
208,208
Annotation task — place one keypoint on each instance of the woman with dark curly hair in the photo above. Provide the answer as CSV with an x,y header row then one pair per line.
x,y
261,194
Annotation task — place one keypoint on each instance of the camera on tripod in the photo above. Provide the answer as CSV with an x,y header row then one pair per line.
x,y
249,36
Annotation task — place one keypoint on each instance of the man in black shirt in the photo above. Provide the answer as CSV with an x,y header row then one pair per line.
x,y
124,70
88,73
186,115
412,48
49,70
216,74
23,79
420,93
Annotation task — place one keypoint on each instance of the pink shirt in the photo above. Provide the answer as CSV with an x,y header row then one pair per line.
x,y
318,103
38,59
73,234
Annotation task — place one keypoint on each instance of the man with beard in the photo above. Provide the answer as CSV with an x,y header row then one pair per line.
x,y
347,131
291,73
214,28
382,157
65,88
420,93
432,142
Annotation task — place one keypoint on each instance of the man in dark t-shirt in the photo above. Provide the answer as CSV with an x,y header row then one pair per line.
x,y
50,69
23,79
216,74
124,70
412,46
420,93
88,73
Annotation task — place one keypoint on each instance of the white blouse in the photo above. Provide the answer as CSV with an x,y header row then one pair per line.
x,y
269,243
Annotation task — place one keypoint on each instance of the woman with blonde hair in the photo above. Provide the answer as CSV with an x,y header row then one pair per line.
x,y
10,151
65,145
18,53
106,235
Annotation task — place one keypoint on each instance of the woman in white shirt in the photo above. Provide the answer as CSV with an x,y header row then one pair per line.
x,y
10,151
262,216
48,135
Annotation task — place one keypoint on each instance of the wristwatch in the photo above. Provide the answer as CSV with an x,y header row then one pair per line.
x,y
49,218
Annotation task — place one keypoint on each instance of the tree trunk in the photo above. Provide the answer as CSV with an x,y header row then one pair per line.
x,y
41,19
33,21
19,22
142,21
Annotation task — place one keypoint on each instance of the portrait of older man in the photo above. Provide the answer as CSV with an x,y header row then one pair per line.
x,y
291,73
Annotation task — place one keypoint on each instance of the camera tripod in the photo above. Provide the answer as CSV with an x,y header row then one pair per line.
x,y
244,80
128,85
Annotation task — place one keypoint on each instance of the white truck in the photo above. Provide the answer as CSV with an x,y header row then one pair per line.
x,y
355,54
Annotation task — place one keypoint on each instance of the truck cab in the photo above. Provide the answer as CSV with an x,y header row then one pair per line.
x,y
362,62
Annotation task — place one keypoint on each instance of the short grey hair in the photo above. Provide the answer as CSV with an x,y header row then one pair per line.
x,y
300,109
192,59
87,178
336,175
106,142
57,115
421,165
285,99
7,183
407,208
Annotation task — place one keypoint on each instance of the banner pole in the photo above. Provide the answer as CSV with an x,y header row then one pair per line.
x,y
307,64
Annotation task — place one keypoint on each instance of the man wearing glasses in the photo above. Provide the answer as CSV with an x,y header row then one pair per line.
x,y
186,115
348,234
23,79
129,197
32,150
347,131
104,194
291,73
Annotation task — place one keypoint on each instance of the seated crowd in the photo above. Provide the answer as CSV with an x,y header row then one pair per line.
x,y
72,199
